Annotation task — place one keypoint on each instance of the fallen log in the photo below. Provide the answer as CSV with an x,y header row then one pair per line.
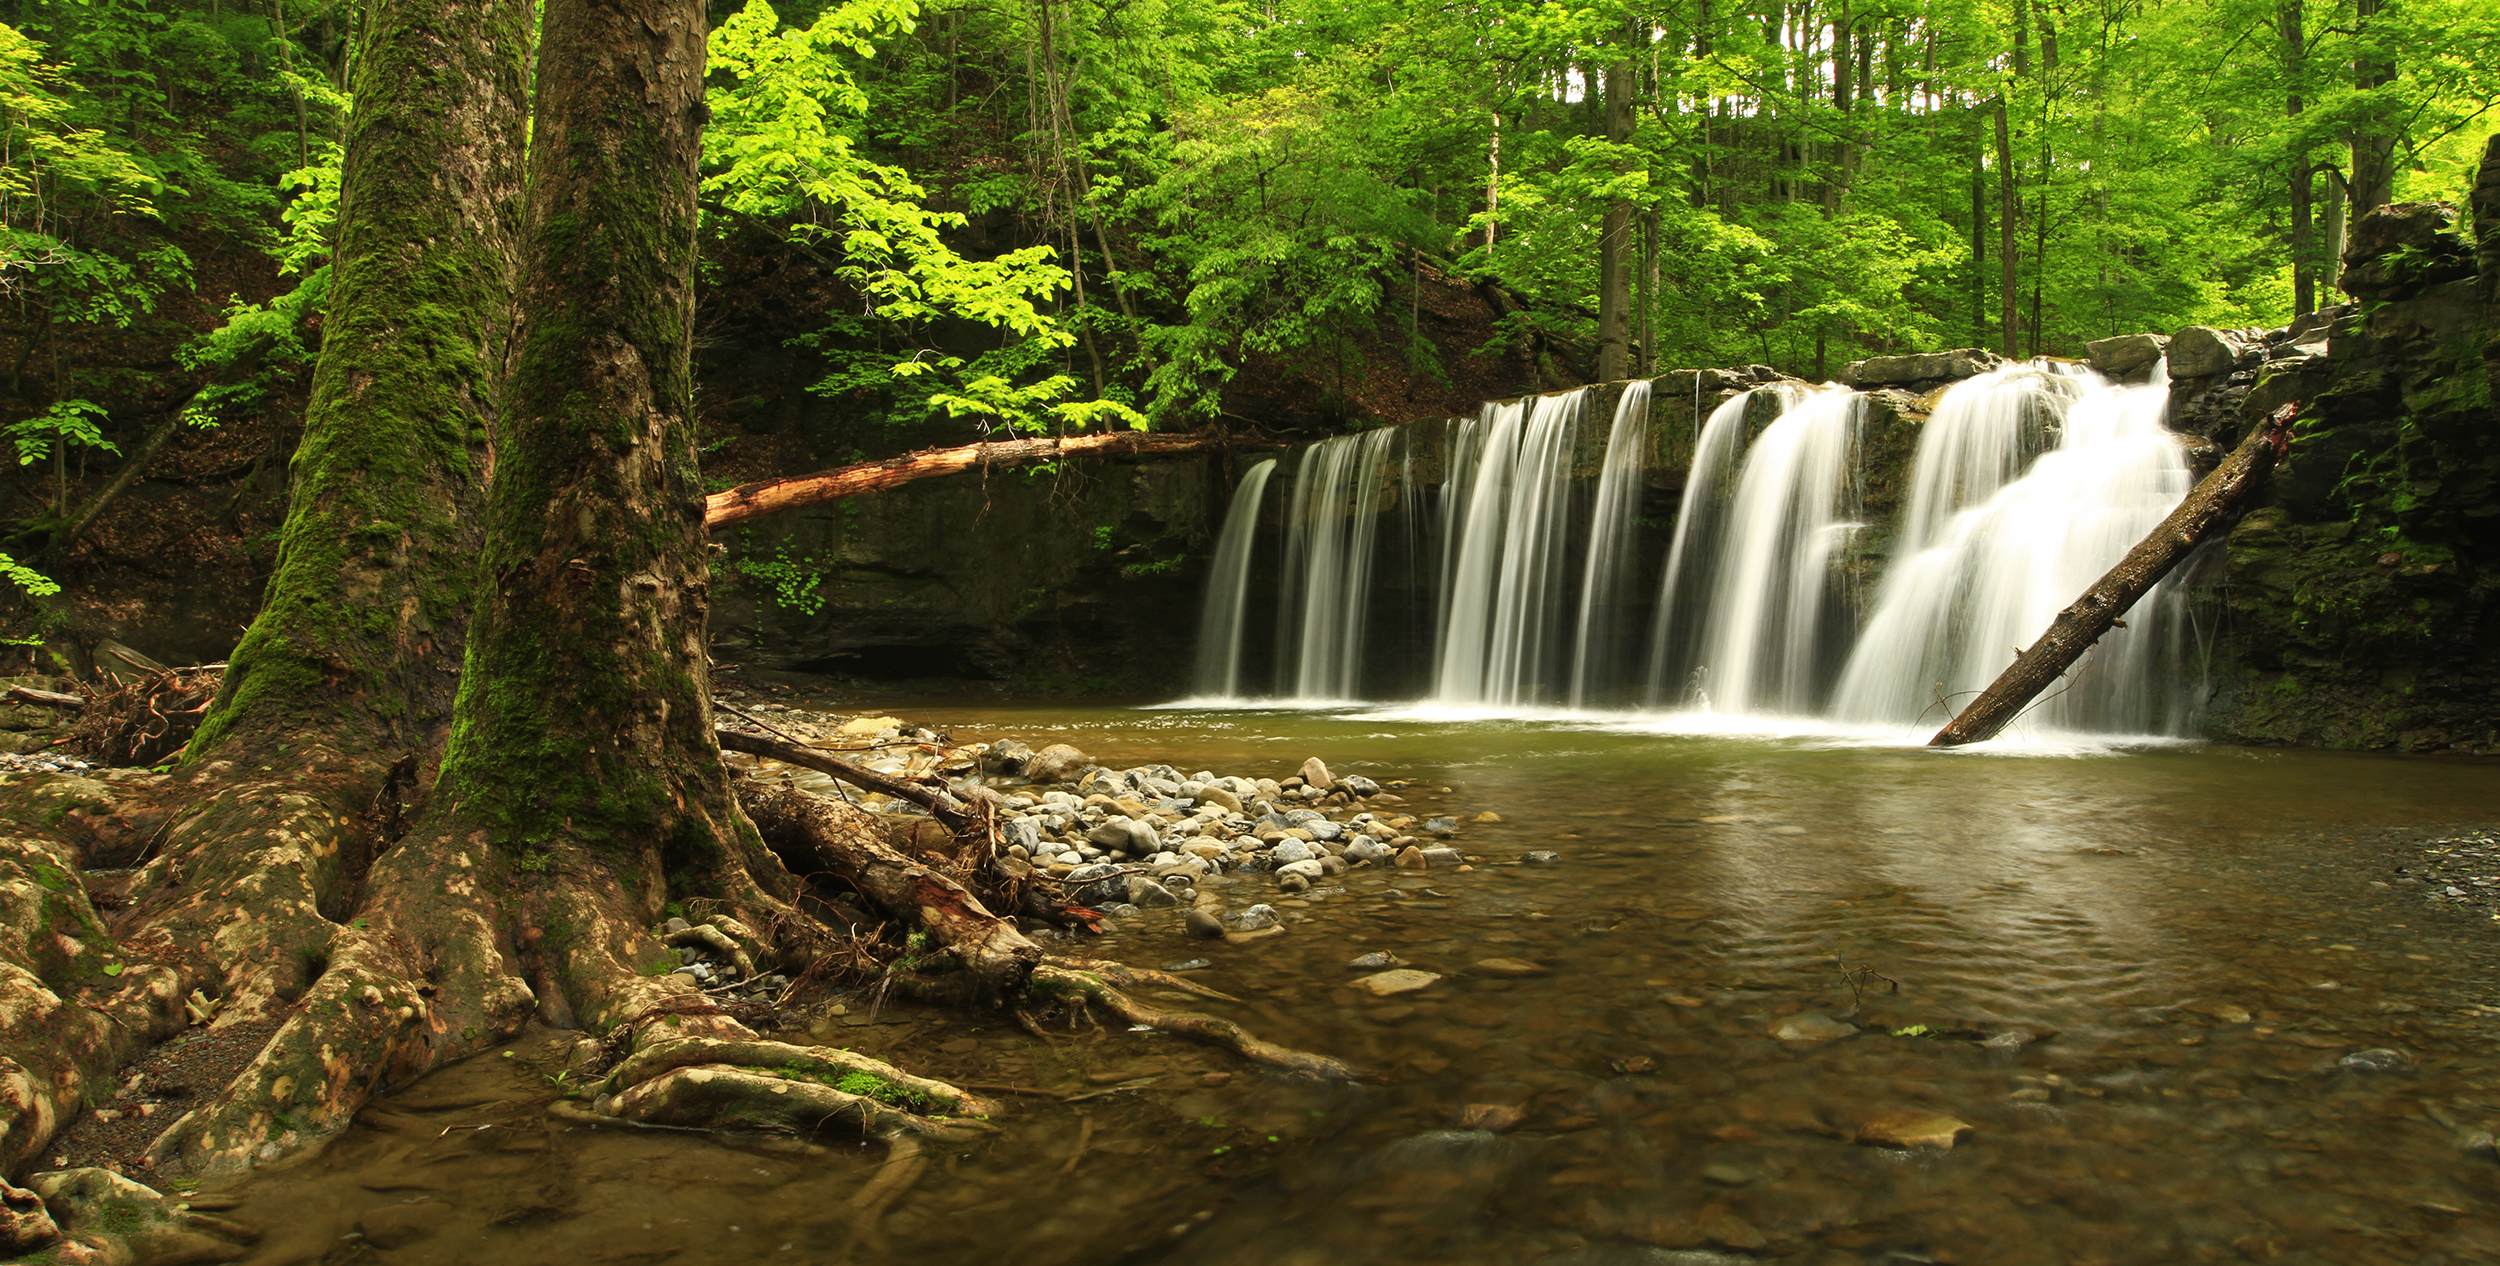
x,y
815,835
966,821
2213,502
771,496
48,698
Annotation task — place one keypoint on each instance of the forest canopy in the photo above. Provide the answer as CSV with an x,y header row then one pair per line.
x,y
1069,213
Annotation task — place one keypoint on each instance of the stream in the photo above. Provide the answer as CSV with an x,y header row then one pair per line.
x,y
2142,975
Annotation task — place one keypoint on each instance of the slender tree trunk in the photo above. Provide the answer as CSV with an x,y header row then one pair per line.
x,y
2290,30
1614,241
772,496
2009,256
1979,240
2373,173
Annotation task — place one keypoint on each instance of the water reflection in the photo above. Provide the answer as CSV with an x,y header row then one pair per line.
x,y
2136,977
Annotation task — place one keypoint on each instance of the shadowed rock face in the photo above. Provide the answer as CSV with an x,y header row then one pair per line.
x,y
2363,599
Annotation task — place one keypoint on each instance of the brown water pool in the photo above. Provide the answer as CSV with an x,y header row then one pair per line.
x,y
2174,949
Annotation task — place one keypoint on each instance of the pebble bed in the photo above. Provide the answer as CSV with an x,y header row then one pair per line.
x,y
1124,842
2461,873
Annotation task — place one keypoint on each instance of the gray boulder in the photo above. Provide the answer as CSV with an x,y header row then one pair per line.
x,y
1128,835
1006,757
1057,763
2201,351
1146,894
2126,355
1894,371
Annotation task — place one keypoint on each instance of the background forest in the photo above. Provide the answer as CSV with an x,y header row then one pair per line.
x,y
1051,213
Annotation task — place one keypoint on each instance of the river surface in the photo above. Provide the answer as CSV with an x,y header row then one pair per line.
x,y
2172,946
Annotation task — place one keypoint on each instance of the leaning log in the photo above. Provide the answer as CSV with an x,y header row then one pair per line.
x,y
2213,502
815,835
771,496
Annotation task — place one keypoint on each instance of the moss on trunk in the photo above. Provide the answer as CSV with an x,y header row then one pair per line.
x,y
360,628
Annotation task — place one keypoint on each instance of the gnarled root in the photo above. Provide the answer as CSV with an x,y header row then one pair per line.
x,y
793,1089
777,1087
105,1219
1123,975
1092,987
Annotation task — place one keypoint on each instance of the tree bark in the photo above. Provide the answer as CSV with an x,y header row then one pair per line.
x,y
359,632
2291,31
771,496
2009,257
2214,501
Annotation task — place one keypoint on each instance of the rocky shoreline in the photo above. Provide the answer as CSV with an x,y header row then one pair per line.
x,y
1148,843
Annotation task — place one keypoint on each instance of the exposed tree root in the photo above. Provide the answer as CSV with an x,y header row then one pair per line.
x,y
816,835
1214,1031
1137,977
104,1219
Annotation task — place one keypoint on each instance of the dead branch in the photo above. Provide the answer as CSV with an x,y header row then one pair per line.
x,y
2213,502
771,496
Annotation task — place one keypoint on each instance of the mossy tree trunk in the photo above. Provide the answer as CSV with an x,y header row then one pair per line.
x,y
351,665
580,789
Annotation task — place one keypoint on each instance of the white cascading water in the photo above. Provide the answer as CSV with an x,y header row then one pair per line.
x,y
1764,641
1228,589
1507,583
1693,556
2027,484
1989,558
1606,576
1338,489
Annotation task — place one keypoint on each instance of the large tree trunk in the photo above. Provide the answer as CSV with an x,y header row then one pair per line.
x,y
2213,502
342,688
772,496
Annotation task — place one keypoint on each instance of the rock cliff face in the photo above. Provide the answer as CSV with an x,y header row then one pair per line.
x,y
2361,604
1082,581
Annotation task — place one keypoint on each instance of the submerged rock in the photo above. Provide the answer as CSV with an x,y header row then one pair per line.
x,y
1389,984
1911,1128
1813,1026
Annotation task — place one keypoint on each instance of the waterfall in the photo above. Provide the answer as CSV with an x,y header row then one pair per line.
x,y
1228,589
1607,573
1518,571
1764,642
1329,529
1685,589
1993,549
1506,593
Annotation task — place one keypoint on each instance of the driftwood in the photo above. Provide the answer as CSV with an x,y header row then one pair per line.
x,y
47,698
815,835
2213,502
771,496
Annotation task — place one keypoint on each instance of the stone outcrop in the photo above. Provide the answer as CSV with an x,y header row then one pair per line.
x,y
2362,605
2126,357
1926,369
